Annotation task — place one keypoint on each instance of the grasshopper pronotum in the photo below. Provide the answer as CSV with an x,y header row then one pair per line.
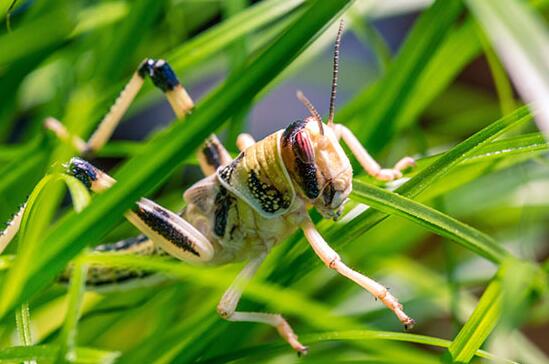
x,y
243,207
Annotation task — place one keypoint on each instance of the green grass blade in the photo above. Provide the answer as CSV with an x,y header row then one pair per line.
x,y
48,353
136,25
433,220
163,155
380,110
67,350
521,39
53,27
502,83
23,323
79,193
479,326
348,336
218,37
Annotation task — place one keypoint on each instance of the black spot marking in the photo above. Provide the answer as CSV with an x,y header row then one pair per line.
x,y
157,220
145,69
212,154
223,203
82,170
269,197
227,172
160,72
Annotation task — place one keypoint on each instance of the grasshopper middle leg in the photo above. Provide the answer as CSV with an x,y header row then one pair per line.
x,y
366,161
229,302
163,77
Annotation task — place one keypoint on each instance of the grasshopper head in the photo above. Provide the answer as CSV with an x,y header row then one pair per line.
x,y
315,161
318,166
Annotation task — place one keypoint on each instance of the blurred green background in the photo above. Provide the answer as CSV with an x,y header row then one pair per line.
x,y
421,78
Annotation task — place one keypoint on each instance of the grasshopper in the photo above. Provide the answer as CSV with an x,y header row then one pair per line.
x,y
243,207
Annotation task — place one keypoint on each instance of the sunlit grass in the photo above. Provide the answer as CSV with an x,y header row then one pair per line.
x,y
458,240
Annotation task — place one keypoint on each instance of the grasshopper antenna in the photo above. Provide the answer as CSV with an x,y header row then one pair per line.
x,y
334,75
311,109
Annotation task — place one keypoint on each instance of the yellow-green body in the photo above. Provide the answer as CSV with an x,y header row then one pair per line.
x,y
240,218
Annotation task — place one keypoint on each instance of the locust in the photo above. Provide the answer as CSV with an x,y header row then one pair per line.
x,y
244,206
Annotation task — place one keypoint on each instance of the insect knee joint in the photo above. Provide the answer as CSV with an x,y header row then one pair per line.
x,y
333,262
224,312
160,73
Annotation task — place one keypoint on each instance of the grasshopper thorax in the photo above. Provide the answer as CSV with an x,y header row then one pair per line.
x,y
317,165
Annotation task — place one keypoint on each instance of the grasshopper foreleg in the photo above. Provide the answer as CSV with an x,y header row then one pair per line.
x,y
333,261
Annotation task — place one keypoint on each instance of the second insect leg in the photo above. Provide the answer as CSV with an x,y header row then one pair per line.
x,y
229,302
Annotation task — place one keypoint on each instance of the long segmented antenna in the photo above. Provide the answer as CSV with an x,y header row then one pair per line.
x,y
311,109
334,74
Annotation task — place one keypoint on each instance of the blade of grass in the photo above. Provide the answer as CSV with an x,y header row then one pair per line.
x,y
433,220
166,152
100,15
501,81
521,39
48,353
370,37
67,350
392,91
136,24
218,37
23,323
53,27
439,168
479,326
489,309
345,336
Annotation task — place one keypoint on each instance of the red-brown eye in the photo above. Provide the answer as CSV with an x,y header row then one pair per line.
x,y
303,148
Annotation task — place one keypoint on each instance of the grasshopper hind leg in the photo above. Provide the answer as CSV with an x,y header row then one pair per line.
x,y
101,277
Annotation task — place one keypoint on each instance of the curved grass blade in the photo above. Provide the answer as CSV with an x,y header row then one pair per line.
x,y
479,326
348,336
433,220
166,152
506,294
